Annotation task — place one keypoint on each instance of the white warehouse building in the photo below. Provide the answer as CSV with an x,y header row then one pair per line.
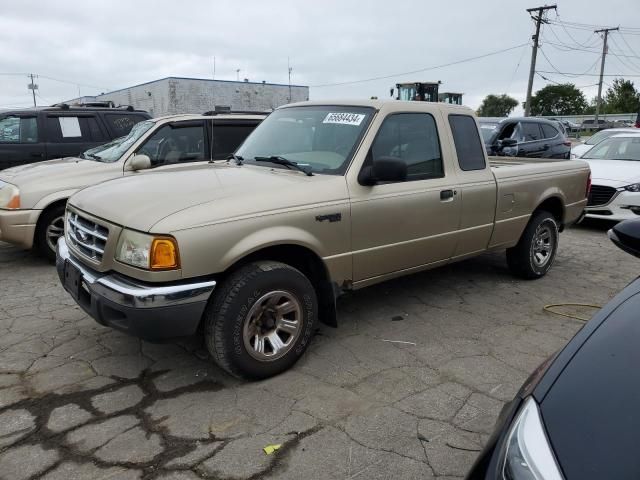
x,y
172,95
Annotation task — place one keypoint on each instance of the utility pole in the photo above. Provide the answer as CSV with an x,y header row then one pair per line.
x,y
289,68
534,52
604,54
33,87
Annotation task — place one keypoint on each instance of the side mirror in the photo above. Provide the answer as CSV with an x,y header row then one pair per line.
x,y
507,142
626,235
384,169
139,162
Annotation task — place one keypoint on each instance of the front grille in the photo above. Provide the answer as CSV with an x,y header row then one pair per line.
x,y
86,236
600,195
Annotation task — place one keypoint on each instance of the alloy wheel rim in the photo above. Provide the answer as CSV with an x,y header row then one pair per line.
x,y
54,231
272,325
543,244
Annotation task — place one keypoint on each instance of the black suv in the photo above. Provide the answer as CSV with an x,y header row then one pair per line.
x,y
524,137
42,133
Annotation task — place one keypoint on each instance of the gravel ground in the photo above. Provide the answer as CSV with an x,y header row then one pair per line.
x,y
408,386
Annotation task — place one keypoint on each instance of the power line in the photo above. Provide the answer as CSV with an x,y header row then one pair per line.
x,y
592,74
558,83
69,82
384,77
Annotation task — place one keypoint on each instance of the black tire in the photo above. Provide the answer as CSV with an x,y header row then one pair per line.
x,y
526,259
230,310
42,243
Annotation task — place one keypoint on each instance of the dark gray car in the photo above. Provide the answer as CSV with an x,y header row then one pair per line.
x,y
44,133
525,137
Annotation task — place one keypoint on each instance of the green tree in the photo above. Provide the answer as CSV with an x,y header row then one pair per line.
x,y
563,99
621,97
497,106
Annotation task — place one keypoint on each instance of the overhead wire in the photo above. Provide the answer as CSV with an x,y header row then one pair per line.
x,y
434,67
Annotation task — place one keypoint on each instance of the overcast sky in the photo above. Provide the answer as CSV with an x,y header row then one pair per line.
x,y
97,46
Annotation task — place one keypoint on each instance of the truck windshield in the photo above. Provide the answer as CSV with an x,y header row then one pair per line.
x,y
321,138
113,151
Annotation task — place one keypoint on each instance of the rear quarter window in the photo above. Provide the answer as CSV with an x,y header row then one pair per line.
x,y
121,124
549,131
468,145
227,139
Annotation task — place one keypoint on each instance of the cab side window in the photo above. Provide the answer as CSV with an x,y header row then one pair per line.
x,y
174,144
412,138
18,130
469,148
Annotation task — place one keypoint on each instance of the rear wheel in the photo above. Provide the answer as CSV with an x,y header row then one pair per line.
x,y
534,254
50,229
261,319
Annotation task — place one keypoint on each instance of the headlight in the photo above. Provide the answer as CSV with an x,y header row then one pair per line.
x,y
528,454
147,251
634,187
9,196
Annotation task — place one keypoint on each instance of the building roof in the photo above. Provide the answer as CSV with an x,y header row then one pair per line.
x,y
202,80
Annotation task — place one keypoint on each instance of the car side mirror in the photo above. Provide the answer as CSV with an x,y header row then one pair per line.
x,y
384,169
139,162
626,235
507,142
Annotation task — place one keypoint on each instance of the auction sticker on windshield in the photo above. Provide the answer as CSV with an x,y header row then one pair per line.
x,y
344,118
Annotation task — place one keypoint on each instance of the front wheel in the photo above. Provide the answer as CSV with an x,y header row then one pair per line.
x,y
261,320
533,256
50,229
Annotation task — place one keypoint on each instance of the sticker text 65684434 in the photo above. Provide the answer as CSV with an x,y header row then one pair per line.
x,y
344,118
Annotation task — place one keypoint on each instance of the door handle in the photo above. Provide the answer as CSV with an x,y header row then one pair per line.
x,y
38,155
447,194
545,146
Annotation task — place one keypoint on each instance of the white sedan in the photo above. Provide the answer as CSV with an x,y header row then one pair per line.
x,y
615,177
581,148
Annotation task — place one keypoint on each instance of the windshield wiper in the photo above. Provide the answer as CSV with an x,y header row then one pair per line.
x,y
278,160
93,155
238,159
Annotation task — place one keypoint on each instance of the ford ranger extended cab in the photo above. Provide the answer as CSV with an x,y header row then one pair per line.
x,y
33,197
321,198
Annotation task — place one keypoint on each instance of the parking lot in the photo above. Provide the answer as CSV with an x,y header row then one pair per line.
x,y
409,385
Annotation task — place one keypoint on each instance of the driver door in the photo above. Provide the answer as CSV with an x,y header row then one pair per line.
x,y
403,225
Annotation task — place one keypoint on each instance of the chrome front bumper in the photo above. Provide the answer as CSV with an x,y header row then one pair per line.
x,y
142,309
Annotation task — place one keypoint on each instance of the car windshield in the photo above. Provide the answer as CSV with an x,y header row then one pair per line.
x,y
113,151
488,129
598,137
616,148
320,138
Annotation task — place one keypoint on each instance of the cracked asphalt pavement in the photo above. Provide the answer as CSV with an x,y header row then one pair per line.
x,y
409,386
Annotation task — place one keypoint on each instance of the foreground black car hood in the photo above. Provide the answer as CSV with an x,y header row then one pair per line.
x,y
592,408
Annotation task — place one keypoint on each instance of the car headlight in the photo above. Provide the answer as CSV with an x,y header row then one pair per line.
x,y
634,187
150,252
528,455
9,196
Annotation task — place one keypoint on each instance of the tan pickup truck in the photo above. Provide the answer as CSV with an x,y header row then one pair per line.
x,y
33,197
320,198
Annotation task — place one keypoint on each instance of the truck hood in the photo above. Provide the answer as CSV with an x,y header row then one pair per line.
x,y
39,170
176,199
614,173
42,182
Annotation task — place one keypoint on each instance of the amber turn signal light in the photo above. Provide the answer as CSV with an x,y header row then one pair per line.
x,y
164,254
14,203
